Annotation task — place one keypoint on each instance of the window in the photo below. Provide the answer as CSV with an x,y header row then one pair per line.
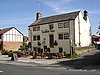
x,y
60,36
38,37
60,50
60,25
36,28
34,48
63,25
63,36
39,50
66,36
34,38
0,36
51,26
66,24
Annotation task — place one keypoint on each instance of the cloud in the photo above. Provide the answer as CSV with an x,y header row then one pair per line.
x,y
16,21
59,6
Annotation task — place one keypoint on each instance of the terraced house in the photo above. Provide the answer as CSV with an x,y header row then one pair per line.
x,y
60,33
10,39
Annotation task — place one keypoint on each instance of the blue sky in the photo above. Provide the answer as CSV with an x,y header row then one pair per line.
x,y
21,13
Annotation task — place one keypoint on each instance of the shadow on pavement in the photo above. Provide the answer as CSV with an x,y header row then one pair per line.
x,y
88,62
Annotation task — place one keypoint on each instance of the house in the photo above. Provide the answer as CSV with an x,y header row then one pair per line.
x,y
10,39
26,39
60,33
95,39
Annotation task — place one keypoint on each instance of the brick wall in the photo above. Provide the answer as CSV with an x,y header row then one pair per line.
x,y
14,46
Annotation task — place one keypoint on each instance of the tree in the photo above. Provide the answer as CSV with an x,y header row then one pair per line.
x,y
24,47
98,31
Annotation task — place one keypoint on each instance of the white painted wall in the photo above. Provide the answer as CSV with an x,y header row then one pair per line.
x,y
13,35
85,39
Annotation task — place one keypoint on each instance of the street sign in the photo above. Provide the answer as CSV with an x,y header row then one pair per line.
x,y
15,56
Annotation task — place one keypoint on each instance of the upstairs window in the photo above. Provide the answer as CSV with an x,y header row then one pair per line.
x,y
63,25
36,28
66,24
60,25
51,26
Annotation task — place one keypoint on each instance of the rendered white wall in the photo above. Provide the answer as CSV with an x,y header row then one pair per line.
x,y
85,39
13,35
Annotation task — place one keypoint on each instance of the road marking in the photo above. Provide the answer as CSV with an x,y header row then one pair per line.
x,y
1,71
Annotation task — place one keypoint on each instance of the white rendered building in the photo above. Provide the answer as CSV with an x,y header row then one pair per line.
x,y
60,33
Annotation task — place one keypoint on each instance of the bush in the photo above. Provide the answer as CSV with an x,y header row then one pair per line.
x,y
10,54
4,52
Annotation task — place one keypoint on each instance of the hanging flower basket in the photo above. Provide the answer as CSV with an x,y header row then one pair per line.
x,y
39,43
55,43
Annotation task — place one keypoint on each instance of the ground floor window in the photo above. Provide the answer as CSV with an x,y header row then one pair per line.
x,y
66,36
34,48
63,36
60,49
60,36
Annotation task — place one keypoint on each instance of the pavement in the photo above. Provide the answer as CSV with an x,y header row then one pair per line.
x,y
88,61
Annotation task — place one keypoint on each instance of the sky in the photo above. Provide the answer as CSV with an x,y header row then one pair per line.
x,y
21,13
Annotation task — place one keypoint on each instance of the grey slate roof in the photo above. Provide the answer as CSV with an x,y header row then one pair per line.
x,y
56,18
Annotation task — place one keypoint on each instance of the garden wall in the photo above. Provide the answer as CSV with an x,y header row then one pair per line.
x,y
81,50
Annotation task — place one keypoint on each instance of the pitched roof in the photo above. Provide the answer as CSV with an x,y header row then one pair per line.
x,y
56,18
2,31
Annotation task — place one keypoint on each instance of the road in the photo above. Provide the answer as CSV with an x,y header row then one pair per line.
x,y
89,61
6,69
88,64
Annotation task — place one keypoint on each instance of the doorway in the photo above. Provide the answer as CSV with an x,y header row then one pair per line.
x,y
51,40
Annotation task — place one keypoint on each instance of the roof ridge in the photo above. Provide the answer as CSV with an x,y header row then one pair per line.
x,y
61,14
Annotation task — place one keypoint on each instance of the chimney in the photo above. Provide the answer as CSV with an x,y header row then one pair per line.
x,y
85,15
38,15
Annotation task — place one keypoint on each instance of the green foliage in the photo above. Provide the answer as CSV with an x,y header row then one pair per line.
x,y
24,47
10,54
4,52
